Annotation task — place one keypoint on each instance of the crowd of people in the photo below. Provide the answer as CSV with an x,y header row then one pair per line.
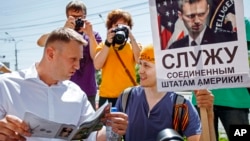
x,y
85,75
62,87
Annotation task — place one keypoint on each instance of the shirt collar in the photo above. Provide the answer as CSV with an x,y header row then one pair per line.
x,y
31,72
198,39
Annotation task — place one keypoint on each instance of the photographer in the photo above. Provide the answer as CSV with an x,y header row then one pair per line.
x,y
117,56
85,76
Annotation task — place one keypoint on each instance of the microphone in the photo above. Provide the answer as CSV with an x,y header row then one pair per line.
x,y
169,135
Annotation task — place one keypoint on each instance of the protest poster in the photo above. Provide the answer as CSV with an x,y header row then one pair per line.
x,y
219,56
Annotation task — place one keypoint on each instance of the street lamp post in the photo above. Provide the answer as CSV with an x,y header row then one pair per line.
x,y
15,41
16,62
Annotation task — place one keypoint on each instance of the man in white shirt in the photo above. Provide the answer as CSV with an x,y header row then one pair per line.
x,y
45,90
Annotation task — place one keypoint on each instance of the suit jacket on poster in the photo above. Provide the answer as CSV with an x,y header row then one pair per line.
x,y
209,37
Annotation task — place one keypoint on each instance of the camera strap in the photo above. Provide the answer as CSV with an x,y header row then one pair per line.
x,y
126,70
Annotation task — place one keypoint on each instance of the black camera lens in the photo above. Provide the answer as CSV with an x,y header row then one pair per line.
x,y
119,37
78,24
121,34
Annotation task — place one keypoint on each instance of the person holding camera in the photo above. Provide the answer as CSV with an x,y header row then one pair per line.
x,y
117,57
85,76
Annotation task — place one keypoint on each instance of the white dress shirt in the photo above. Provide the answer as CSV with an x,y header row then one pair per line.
x,y
64,102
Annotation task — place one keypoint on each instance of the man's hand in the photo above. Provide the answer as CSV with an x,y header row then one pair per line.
x,y
110,35
70,23
204,99
119,122
13,129
87,28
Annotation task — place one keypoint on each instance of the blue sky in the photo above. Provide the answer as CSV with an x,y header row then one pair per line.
x,y
26,20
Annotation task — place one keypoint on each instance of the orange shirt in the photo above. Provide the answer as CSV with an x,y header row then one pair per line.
x,y
114,77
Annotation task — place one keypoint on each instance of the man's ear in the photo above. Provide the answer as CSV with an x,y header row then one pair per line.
x,y
180,15
50,52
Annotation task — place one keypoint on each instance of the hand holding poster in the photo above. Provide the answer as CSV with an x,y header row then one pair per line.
x,y
199,44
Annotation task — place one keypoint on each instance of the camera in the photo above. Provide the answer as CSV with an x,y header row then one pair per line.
x,y
78,24
169,135
121,34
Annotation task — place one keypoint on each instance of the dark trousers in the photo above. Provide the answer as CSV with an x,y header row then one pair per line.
x,y
102,100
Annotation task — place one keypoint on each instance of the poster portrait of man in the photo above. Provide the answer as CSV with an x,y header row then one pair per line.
x,y
199,44
184,23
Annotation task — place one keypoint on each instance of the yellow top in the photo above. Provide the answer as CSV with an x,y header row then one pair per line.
x,y
114,77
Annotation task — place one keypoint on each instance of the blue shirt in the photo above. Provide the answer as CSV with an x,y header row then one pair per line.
x,y
23,91
144,125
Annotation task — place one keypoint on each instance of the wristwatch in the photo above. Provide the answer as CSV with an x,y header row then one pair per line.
x,y
107,43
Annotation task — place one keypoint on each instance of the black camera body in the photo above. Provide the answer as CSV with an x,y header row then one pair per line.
x,y
121,34
78,24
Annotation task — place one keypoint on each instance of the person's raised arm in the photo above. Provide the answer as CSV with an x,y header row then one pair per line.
x,y
102,54
92,41
70,23
41,41
136,47
4,69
